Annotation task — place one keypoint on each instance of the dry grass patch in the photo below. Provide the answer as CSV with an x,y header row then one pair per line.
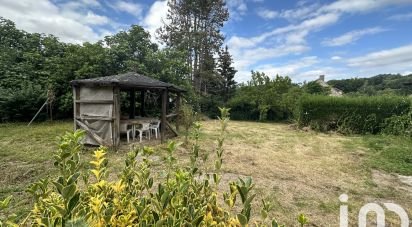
x,y
302,171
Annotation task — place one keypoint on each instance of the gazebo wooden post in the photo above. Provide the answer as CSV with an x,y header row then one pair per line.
x,y
142,104
178,100
164,112
132,111
76,106
116,117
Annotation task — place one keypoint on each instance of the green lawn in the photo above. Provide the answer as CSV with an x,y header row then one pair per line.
x,y
298,171
26,156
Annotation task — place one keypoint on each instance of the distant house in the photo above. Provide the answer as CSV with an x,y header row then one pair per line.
x,y
333,91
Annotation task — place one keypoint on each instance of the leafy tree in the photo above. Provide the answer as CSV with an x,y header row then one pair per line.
x,y
21,104
348,85
168,65
128,50
263,98
32,63
314,87
379,84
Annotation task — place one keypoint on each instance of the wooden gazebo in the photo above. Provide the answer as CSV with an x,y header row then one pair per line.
x,y
96,104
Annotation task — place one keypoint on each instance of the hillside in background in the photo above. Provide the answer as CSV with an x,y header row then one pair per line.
x,y
380,84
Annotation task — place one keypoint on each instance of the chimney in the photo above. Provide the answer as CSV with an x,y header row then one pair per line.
x,y
322,78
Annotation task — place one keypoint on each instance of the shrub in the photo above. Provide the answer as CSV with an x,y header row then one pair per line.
x,y
21,104
264,98
187,117
185,197
398,125
314,87
350,114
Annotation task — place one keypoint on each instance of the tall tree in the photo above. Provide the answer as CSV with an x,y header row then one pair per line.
x,y
194,27
227,73
129,50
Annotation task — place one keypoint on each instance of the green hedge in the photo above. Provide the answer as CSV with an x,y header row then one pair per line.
x,y
359,115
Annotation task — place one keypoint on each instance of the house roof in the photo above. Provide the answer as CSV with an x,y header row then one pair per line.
x,y
127,80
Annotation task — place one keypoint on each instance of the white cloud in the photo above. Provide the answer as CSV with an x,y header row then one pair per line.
x,y
351,36
307,25
300,70
89,18
134,9
237,8
401,17
360,6
68,22
399,58
91,2
306,10
304,20
288,69
301,13
313,74
278,42
155,17
92,18
267,14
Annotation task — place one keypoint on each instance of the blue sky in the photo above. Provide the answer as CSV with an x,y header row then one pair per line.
x,y
301,39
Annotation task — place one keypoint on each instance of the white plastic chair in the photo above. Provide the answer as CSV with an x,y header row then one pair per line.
x,y
144,129
123,129
154,126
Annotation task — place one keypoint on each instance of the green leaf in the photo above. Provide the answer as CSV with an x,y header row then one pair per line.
x,y
5,203
69,191
150,182
242,219
249,200
73,202
196,221
60,209
160,223
243,192
73,178
215,177
275,223
264,214
155,216
165,199
58,186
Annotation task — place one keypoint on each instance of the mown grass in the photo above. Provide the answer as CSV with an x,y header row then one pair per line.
x,y
25,157
298,171
392,154
389,153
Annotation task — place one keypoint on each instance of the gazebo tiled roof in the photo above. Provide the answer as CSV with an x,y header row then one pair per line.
x,y
128,80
